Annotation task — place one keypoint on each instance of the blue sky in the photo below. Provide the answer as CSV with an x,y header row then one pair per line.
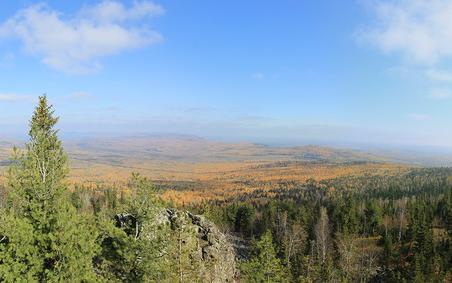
x,y
287,71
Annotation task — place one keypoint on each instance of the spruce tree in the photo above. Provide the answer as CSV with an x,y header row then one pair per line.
x,y
136,249
265,266
44,239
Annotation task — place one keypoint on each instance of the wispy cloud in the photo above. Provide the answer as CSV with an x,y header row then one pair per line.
x,y
419,117
254,120
420,32
258,76
417,29
112,11
6,59
75,44
440,93
199,110
80,95
11,97
439,75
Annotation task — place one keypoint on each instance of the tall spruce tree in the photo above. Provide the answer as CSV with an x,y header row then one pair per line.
x,y
265,266
137,250
43,237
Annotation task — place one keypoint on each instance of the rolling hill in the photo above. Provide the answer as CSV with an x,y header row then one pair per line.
x,y
192,168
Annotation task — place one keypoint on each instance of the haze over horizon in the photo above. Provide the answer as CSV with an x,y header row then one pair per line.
x,y
330,72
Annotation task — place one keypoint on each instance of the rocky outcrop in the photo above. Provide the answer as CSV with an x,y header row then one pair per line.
x,y
215,253
212,252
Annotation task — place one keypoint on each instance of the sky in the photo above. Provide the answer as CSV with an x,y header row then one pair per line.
x,y
286,71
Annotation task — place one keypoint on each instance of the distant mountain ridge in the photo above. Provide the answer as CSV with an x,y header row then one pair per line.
x,y
194,149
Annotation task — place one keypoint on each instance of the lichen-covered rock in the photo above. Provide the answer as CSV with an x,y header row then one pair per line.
x,y
212,252
216,254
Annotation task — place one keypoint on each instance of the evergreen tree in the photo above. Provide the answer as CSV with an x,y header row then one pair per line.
x,y
243,219
44,239
265,266
373,217
136,249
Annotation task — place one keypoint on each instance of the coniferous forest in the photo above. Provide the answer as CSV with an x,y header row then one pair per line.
x,y
385,228
353,229
226,141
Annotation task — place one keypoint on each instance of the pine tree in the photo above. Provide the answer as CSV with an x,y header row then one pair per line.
x,y
48,241
373,217
265,267
137,248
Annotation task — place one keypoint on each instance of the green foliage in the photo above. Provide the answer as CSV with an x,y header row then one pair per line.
x,y
350,229
20,257
137,248
265,266
373,217
388,228
44,239
243,219
185,266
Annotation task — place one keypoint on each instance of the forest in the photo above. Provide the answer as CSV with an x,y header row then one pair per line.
x,y
355,228
349,229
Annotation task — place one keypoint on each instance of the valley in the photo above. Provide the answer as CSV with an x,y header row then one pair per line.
x,y
191,169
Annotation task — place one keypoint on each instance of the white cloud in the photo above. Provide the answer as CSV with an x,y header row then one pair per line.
x,y
439,75
11,97
80,95
111,11
258,76
8,56
420,117
440,93
420,30
75,44
6,60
